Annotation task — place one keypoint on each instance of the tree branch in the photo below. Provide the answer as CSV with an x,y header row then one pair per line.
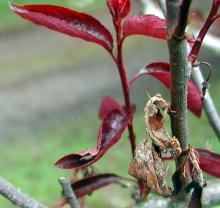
x,y
15,196
179,76
69,193
210,197
179,80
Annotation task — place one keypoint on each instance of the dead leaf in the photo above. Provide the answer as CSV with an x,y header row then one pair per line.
x,y
155,112
189,176
147,165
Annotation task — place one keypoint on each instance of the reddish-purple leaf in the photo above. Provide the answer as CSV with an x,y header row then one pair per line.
x,y
66,21
213,15
161,71
111,128
148,25
107,105
198,21
217,2
87,185
119,8
209,162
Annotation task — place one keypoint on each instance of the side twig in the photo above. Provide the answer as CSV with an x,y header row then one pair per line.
x,y
15,196
69,193
208,104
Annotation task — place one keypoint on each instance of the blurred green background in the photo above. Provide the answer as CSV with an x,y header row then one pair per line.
x,y
50,89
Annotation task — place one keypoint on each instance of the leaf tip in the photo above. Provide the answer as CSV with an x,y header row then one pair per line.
x,y
64,162
58,164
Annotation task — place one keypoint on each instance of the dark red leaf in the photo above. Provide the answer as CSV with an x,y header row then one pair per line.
x,y
107,105
198,21
217,2
213,15
111,128
209,162
119,8
66,21
148,25
88,185
161,71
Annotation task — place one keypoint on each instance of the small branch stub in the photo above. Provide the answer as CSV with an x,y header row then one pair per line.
x,y
69,193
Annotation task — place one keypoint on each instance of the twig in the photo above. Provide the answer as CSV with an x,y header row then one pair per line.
x,y
69,193
211,41
15,196
124,83
210,197
208,104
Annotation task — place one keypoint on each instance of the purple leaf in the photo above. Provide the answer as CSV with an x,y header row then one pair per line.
x,y
66,21
213,15
111,128
87,185
209,162
161,71
107,105
148,25
119,8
